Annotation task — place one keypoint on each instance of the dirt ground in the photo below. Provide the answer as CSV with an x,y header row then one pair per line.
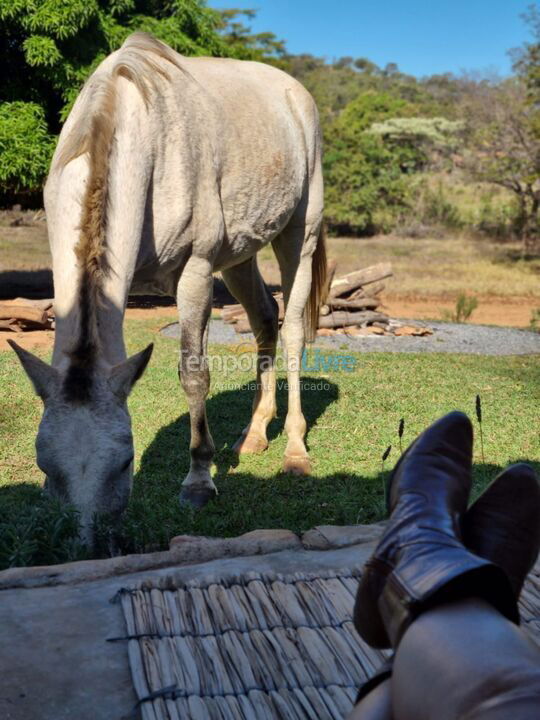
x,y
508,312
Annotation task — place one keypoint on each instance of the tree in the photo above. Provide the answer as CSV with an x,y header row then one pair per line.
x,y
246,45
527,58
49,48
365,184
504,149
421,141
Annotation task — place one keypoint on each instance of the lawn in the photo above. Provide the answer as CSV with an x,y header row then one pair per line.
x,y
352,420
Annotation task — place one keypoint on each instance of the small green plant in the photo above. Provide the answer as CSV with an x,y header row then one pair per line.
x,y
401,428
479,418
534,323
384,457
465,306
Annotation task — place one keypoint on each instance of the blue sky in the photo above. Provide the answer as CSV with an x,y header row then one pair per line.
x,y
421,36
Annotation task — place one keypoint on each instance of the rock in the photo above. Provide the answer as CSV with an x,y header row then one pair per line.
x,y
365,331
354,330
257,542
327,537
410,330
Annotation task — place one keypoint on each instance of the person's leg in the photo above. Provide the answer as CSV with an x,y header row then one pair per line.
x,y
421,564
376,705
465,661
502,526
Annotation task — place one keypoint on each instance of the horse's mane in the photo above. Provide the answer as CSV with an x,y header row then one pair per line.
x,y
138,61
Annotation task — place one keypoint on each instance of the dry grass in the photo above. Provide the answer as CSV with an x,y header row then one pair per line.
x,y
23,247
441,268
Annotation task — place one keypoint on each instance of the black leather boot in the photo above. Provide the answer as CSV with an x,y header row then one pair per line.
x,y
420,561
502,526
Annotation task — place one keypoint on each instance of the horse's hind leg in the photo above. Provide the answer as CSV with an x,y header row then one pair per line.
x,y
295,249
246,284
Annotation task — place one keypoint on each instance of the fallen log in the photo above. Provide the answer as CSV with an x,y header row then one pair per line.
x,y
10,324
242,326
28,302
229,313
358,278
235,313
342,318
23,313
367,303
374,289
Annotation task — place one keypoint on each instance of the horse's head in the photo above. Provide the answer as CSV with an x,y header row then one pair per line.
x,y
85,444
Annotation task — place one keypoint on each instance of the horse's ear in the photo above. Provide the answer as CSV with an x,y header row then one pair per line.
x,y
124,376
44,377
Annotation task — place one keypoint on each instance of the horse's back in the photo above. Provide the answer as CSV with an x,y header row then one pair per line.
x,y
266,132
243,131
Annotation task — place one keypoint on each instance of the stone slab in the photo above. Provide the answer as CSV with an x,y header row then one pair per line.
x,y
326,537
55,658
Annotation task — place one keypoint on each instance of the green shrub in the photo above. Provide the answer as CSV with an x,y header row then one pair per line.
x,y
534,324
26,146
495,218
49,48
366,186
439,210
465,306
422,141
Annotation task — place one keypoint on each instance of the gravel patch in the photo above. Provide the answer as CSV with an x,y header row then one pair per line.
x,y
446,338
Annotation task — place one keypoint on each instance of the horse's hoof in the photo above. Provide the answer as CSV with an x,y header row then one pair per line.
x,y
297,465
197,496
250,444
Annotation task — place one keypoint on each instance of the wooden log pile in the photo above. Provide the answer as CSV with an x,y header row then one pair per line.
x,y
353,306
23,314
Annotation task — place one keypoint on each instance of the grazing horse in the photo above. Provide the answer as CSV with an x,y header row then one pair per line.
x,y
168,169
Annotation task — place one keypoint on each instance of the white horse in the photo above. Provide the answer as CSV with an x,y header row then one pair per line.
x,y
168,169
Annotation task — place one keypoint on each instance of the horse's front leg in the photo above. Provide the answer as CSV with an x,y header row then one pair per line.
x,y
194,299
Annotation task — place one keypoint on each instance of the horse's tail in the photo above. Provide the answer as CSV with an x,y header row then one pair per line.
x,y
318,286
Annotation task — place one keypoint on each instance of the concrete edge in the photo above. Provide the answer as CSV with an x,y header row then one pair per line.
x,y
190,550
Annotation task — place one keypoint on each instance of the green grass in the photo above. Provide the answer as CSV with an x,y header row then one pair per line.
x,y
351,422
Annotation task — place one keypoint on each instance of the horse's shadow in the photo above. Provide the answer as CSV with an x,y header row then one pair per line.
x,y
228,414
